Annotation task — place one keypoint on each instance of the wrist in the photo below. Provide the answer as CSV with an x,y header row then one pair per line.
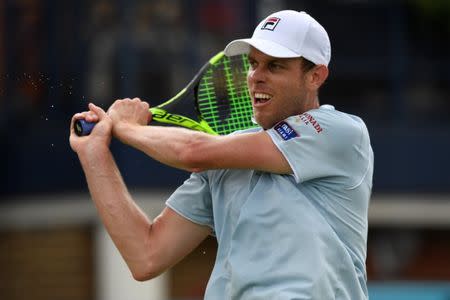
x,y
93,152
122,129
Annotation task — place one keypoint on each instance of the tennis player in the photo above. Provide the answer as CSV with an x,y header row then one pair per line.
x,y
287,201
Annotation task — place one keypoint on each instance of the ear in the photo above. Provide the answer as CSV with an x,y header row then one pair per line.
x,y
317,76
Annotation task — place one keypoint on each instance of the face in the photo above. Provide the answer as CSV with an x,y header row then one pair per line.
x,y
277,88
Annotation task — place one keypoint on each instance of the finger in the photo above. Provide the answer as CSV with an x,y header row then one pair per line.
x,y
78,116
145,105
91,117
116,103
81,115
97,110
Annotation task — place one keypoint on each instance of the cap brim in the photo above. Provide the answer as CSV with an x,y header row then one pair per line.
x,y
270,48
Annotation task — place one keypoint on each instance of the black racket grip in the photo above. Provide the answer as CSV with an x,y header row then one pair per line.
x,y
83,127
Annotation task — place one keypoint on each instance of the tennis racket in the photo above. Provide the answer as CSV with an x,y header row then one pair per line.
x,y
216,101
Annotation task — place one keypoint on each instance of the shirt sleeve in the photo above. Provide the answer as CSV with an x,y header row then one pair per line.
x,y
193,201
323,144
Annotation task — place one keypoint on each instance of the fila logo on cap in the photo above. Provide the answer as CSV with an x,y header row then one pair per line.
x,y
270,23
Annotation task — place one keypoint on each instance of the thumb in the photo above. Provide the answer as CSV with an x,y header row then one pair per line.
x,y
97,110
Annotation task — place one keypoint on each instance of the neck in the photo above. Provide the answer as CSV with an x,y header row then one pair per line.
x,y
311,103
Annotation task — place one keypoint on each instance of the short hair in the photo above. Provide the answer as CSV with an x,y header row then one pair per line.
x,y
306,65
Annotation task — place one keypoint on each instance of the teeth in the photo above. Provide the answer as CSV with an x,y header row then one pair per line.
x,y
262,96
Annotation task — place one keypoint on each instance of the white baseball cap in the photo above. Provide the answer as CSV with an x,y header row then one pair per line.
x,y
287,33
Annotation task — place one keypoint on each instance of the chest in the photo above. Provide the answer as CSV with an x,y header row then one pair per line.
x,y
242,197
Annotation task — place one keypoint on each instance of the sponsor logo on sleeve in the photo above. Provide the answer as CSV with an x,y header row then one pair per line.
x,y
308,119
285,131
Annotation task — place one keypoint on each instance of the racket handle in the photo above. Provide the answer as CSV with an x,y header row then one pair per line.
x,y
83,127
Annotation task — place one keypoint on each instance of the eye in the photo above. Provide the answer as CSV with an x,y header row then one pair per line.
x,y
274,66
252,63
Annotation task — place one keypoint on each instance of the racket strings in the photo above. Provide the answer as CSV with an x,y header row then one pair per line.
x,y
223,98
223,103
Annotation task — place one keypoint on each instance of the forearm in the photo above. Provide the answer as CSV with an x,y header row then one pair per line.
x,y
172,146
127,225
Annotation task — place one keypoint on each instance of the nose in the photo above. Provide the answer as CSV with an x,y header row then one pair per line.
x,y
256,75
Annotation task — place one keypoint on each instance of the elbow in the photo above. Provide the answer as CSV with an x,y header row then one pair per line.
x,y
138,276
148,266
144,273
150,263
143,276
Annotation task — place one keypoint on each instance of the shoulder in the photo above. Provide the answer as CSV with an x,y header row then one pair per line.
x,y
321,142
333,132
326,117
331,123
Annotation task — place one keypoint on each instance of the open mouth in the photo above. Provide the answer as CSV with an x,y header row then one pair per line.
x,y
262,98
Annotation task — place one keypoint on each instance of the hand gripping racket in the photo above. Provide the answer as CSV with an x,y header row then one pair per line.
x,y
216,101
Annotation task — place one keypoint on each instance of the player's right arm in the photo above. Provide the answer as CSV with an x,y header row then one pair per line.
x,y
148,248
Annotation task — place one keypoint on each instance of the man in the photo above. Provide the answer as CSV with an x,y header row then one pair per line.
x,y
287,202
